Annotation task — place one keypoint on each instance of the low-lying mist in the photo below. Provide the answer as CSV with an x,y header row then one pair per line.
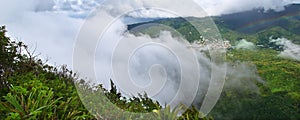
x,y
157,70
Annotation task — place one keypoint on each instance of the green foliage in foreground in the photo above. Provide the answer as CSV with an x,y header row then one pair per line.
x,y
31,89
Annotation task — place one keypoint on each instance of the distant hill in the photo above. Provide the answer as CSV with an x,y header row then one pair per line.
x,y
256,25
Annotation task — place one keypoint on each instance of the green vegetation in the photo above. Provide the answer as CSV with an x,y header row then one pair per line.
x,y
31,89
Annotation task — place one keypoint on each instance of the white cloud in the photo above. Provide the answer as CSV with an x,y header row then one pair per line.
x,y
31,22
218,7
244,44
291,50
212,7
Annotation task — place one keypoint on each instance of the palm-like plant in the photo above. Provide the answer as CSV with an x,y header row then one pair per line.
x,y
168,114
30,105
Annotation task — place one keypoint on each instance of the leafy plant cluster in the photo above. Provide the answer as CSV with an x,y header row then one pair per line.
x,y
31,89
